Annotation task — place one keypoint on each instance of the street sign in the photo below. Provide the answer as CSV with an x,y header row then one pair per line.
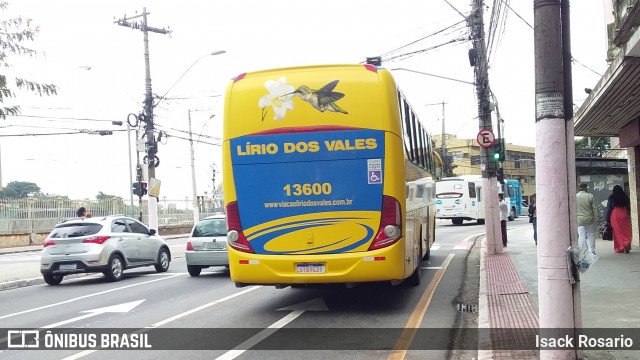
x,y
154,187
486,138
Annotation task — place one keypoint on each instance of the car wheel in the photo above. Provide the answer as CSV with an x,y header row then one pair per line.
x,y
512,214
163,260
116,268
194,270
53,279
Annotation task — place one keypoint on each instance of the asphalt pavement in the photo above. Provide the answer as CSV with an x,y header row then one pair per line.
x,y
608,290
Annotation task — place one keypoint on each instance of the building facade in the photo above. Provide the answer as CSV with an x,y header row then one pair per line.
x,y
612,107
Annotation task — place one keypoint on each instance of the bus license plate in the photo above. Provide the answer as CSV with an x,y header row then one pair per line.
x,y
67,266
311,268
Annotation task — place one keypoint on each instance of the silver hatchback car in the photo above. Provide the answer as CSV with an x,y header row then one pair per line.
x,y
108,244
207,245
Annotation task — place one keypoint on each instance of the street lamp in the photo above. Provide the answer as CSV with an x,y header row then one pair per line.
x,y
196,209
217,52
119,123
153,204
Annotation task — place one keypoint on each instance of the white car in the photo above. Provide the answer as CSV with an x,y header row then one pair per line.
x,y
207,245
108,244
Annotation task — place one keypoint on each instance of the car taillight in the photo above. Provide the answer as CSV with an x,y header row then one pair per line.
x,y
96,239
48,243
390,229
189,246
235,236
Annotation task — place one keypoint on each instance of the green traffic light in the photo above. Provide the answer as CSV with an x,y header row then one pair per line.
x,y
496,156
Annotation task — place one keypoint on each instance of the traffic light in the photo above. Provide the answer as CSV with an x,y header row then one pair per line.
x,y
500,175
497,151
139,188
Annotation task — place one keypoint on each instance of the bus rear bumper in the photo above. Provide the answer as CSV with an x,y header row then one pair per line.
x,y
385,264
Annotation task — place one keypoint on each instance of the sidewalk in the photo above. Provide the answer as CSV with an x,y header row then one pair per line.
x,y
509,295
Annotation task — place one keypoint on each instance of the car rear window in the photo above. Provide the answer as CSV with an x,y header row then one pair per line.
x,y
210,227
75,230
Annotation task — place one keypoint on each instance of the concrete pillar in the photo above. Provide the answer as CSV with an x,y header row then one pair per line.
x,y
633,154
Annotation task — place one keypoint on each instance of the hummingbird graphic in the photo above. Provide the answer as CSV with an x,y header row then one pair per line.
x,y
322,99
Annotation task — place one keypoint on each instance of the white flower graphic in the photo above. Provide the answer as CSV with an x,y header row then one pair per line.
x,y
279,98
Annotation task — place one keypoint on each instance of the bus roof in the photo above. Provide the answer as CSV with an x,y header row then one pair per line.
x,y
356,96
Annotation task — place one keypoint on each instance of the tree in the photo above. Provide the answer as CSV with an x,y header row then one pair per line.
x,y
19,190
592,146
14,33
106,197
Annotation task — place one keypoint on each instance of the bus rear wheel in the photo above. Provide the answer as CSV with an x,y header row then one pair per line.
x,y
456,221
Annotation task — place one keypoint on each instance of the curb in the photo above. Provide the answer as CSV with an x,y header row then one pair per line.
x,y
15,284
17,251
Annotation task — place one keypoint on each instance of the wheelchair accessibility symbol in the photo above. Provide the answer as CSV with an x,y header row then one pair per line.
x,y
375,177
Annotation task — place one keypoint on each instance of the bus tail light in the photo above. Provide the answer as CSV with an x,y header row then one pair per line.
x,y
235,235
390,229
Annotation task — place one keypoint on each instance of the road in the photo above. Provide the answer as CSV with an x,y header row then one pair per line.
x,y
210,315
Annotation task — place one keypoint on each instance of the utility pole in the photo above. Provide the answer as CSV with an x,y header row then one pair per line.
x,y
151,144
196,213
443,149
558,280
478,59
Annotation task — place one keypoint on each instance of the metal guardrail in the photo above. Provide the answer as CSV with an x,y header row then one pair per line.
x,y
40,215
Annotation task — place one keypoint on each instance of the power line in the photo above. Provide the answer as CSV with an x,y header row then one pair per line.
x,y
516,13
182,138
55,118
531,27
418,40
413,53
91,132
585,66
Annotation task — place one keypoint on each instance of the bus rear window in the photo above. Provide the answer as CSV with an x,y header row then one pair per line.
x,y
449,195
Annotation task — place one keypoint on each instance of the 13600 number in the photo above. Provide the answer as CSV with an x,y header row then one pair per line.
x,y
307,189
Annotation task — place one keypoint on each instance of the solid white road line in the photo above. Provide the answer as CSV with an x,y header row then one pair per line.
x,y
173,318
251,342
87,296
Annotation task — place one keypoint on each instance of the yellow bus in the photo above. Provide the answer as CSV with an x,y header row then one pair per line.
x,y
328,177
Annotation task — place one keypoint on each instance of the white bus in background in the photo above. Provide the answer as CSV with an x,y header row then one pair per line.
x,y
421,211
459,199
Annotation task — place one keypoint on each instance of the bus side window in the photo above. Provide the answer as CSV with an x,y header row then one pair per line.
x,y
420,191
472,190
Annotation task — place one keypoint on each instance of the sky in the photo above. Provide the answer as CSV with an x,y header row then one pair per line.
x,y
99,68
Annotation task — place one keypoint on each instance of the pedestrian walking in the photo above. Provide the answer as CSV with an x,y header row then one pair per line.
x,y
504,215
617,215
533,217
587,215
